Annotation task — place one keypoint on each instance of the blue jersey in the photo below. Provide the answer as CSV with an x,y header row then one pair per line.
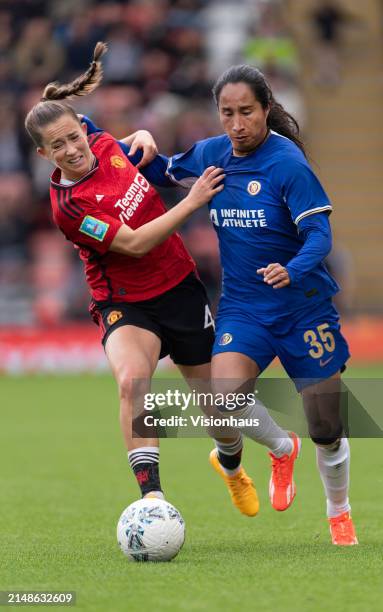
x,y
267,194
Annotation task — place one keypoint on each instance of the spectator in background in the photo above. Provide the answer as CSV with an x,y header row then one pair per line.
x,y
35,63
6,34
8,80
155,69
50,273
63,12
8,83
147,19
124,52
272,49
328,21
23,10
15,226
12,155
79,36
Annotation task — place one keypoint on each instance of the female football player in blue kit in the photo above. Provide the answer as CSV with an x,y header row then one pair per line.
x,y
273,230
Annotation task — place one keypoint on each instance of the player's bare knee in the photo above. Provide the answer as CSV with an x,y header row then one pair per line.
x,y
133,383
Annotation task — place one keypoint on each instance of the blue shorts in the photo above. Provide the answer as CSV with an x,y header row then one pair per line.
x,y
310,346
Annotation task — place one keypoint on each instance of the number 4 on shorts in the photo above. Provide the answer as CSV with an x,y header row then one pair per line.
x,y
209,321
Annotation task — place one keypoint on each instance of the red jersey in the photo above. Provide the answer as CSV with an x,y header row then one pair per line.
x,y
90,212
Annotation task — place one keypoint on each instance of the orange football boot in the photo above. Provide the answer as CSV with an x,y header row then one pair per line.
x,y
282,487
342,530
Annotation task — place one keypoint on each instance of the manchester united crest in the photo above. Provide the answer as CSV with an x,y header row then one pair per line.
x,y
117,161
114,316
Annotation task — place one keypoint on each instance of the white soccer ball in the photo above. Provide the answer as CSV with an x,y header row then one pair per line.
x,y
150,530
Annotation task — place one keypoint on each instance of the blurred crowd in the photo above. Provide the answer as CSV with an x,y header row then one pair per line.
x,y
162,60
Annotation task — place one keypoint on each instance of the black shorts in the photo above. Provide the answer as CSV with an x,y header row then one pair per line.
x,y
180,317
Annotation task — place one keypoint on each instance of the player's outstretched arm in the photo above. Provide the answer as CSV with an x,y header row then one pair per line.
x,y
142,140
137,243
141,149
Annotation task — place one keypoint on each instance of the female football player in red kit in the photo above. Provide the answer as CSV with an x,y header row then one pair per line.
x,y
146,297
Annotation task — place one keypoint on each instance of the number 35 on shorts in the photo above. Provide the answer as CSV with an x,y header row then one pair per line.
x,y
320,340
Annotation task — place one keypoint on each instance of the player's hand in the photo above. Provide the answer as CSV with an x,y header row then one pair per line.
x,y
144,140
276,275
207,186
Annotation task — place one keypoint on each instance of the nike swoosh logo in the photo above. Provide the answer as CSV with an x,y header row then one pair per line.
x,y
324,363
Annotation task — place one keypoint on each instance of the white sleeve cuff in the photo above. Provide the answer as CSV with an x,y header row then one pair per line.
x,y
312,211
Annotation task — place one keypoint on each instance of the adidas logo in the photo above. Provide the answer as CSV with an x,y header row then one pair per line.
x,y
99,198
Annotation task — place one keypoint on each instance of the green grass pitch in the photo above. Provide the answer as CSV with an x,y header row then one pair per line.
x,y
64,481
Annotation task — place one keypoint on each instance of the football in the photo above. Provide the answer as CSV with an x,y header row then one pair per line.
x,y
150,530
